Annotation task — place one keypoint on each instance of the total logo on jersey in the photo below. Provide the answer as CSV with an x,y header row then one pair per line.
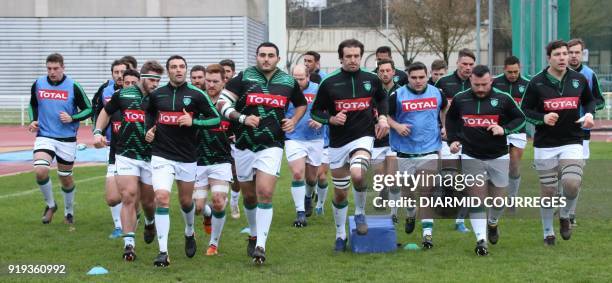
x,y
53,94
134,115
356,104
170,118
561,103
223,127
475,121
420,104
309,97
269,100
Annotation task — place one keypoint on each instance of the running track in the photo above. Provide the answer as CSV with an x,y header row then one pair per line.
x,y
15,138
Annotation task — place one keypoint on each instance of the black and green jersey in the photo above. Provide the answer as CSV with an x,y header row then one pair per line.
x,y
131,138
267,99
214,144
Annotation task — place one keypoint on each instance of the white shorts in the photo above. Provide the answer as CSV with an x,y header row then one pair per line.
x,y
325,156
380,153
267,161
233,150
417,164
131,167
339,156
446,154
312,150
111,170
517,140
166,171
494,170
64,151
547,158
222,172
586,151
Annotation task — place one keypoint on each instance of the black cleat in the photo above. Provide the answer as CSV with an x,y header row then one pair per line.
x,y
481,248
427,242
549,240
162,260
565,228
190,245
48,214
340,245
308,206
69,219
409,226
492,233
129,254
251,245
259,255
300,220
149,233
361,224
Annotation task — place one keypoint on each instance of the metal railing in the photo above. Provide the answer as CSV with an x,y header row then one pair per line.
x,y
14,110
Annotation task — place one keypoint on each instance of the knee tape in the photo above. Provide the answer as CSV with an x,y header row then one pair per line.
x,y
219,188
42,163
360,161
571,172
549,179
342,183
64,173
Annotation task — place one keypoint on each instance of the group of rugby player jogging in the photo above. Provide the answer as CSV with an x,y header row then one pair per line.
x,y
223,134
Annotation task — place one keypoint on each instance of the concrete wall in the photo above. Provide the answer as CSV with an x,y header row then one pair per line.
x,y
254,9
325,41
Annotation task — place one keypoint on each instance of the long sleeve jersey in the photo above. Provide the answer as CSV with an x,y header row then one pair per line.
x,y
469,117
546,94
163,108
356,92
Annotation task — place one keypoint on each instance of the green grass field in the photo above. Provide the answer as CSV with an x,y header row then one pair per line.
x,y
305,255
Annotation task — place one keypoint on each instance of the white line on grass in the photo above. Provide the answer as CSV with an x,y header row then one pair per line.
x,y
55,187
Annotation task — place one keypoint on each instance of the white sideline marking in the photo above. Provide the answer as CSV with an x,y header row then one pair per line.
x,y
55,187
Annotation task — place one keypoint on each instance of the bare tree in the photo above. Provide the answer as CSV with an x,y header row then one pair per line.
x,y
444,25
402,35
296,41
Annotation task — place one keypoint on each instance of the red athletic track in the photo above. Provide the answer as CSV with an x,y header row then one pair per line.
x,y
18,138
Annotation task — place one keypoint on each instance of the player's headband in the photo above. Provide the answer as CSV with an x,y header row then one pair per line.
x,y
150,76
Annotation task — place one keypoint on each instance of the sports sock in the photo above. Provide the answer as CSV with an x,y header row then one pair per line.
x,y
298,191
322,194
513,186
340,212
128,239
189,217
162,227
547,221
235,197
360,200
69,200
251,213
264,219
46,189
478,218
395,196
494,214
218,220
427,226
116,214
